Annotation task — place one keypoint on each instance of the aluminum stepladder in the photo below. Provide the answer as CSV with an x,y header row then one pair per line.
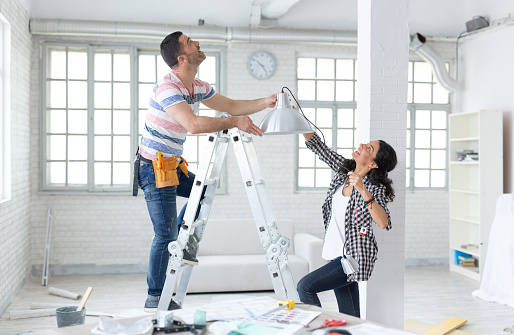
x,y
191,232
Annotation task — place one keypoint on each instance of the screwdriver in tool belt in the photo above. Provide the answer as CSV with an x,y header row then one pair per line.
x,y
282,304
159,160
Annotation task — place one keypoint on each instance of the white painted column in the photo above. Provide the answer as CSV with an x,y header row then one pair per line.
x,y
383,55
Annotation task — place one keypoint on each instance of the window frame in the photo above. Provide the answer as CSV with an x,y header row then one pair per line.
x,y
133,51
335,106
5,112
412,108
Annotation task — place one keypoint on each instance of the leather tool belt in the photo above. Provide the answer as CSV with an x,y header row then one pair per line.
x,y
166,170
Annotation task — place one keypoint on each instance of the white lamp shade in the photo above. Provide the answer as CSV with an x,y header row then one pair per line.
x,y
284,120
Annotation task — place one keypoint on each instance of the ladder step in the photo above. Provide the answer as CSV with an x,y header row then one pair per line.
x,y
198,223
210,181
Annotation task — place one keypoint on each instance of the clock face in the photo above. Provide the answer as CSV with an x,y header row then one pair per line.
x,y
261,65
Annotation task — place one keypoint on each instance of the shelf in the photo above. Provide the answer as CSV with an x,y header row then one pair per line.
x,y
471,251
468,219
464,163
474,185
464,139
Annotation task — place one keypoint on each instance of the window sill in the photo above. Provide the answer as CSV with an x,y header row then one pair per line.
x,y
81,193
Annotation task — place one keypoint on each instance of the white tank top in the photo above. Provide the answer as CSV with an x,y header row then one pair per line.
x,y
335,235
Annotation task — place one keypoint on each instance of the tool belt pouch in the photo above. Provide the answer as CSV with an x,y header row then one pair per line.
x,y
166,173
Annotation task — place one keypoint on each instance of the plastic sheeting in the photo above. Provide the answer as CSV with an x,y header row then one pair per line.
x,y
497,283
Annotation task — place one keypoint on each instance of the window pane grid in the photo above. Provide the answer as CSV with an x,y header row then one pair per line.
x,y
428,162
326,92
112,100
66,111
90,113
422,87
75,76
326,79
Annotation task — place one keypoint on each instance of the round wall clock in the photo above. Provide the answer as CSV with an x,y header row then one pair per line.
x,y
261,65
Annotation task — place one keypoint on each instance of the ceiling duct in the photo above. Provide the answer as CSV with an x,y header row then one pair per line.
x,y
202,33
418,44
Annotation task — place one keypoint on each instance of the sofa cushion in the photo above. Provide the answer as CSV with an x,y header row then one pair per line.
x,y
238,273
238,237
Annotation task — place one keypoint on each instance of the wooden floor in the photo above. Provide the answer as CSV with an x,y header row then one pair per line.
x,y
432,294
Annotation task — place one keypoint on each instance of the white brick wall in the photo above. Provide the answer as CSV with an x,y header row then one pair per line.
x,y
426,228
15,260
116,230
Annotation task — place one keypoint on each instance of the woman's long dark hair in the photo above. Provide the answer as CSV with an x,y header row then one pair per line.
x,y
386,161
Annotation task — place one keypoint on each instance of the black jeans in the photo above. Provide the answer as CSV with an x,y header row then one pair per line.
x,y
331,277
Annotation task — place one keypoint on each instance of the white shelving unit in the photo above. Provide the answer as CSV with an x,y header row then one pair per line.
x,y
474,185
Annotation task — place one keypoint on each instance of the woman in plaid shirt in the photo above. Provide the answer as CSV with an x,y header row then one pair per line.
x,y
357,197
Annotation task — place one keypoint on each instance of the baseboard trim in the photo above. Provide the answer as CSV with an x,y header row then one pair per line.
x,y
13,294
411,262
113,269
90,269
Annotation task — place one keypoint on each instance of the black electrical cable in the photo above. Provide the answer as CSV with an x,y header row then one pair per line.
x,y
457,55
300,108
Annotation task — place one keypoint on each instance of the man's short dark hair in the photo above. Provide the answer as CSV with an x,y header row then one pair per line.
x,y
171,48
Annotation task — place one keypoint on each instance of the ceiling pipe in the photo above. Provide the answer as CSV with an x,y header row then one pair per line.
x,y
418,44
203,33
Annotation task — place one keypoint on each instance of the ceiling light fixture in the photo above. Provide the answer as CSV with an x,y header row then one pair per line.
x,y
284,119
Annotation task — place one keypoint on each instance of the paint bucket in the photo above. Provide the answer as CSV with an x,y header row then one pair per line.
x,y
69,316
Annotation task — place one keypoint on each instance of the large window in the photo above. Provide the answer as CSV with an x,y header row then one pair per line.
x,y
5,110
326,91
428,108
96,99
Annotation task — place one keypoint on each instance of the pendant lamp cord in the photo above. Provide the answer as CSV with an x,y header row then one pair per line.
x,y
300,108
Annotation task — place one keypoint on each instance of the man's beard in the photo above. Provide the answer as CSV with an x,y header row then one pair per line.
x,y
195,59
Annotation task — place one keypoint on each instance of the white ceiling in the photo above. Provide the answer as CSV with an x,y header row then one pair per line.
x,y
428,17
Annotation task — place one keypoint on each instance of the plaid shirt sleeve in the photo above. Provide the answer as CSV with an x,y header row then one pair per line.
x,y
378,191
327,155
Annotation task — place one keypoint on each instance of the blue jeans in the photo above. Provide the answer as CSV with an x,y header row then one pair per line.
x,y
162,207
331,277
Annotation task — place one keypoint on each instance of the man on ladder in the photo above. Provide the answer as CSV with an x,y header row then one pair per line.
x,y
159,169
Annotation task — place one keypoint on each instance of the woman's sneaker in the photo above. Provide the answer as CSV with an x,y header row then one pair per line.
x,y
152,303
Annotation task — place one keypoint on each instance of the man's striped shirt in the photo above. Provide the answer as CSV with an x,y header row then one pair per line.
x,y
161,132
